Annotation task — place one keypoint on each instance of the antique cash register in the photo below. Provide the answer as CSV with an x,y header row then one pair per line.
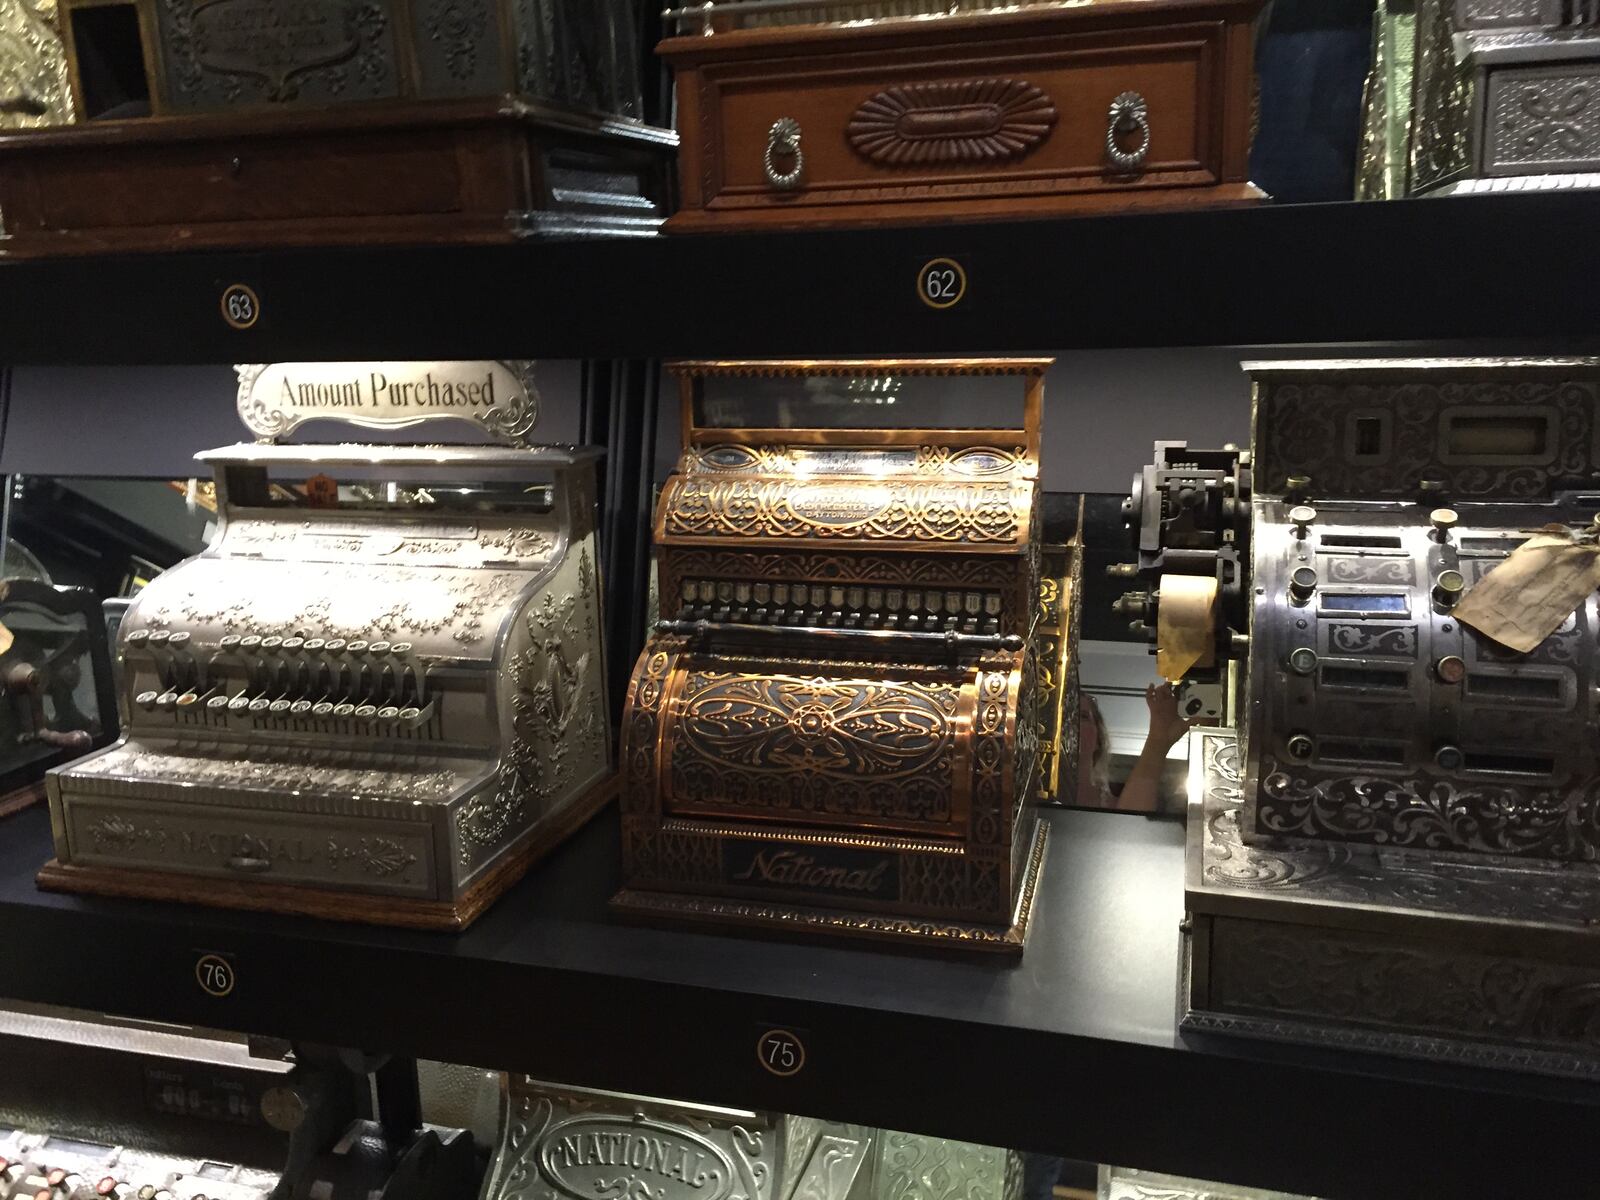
x,y
560,1142
379,693
835,727
278,122
853,112
1503,95
1399,850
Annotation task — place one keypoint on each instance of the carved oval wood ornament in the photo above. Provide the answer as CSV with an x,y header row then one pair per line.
x,y
975,121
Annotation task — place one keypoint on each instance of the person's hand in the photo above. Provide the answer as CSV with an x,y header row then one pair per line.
x,y
1166,725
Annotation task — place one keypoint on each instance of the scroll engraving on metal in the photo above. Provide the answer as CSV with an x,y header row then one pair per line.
x,y
836,725
968,122
458,27
1544,119
33,67
1410,786
498,398
1128,114
783,141
891,511
394,694
564,1143
225,52
817,747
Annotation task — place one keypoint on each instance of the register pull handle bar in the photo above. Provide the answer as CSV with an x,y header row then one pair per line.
x,y
955,640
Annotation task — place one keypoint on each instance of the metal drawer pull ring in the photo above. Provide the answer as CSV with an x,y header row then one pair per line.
x,y
1128,112
784,138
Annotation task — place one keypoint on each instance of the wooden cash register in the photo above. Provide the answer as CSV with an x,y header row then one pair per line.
x,y
821,112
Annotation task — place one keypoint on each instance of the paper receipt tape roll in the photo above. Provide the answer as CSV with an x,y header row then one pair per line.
x,y
1186,624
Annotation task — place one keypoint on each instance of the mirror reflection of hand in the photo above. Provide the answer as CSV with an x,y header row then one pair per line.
x,y
1166,724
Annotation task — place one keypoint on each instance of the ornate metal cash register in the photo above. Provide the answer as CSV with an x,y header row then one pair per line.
x,y
376,697
563,1141
1498,96
266,122
852,112
1398,852
835,727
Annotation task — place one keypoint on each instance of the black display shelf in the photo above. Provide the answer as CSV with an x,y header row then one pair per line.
x,y
1070,1051
1512,267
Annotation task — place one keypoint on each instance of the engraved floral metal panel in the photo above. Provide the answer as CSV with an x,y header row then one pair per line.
x,y
816,747
1543,119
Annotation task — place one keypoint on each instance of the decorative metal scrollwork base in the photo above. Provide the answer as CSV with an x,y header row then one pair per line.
x,y
784,138
1128,112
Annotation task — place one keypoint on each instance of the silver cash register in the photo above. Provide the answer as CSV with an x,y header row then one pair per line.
x,y
379,694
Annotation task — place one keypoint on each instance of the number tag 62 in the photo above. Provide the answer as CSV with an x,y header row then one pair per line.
x,y
941,283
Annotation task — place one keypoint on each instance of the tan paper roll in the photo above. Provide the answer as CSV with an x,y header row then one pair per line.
x,y
1186,625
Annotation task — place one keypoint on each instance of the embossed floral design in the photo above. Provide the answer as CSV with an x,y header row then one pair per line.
x,y
974,513
380,856
459,26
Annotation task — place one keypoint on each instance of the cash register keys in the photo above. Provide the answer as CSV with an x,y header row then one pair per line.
x,y
380,709
834,730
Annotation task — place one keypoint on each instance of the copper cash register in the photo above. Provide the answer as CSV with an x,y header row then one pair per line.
x,y
835,727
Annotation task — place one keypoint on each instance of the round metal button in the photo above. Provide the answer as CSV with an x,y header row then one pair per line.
x,y
1450,669
1303,660
1301,747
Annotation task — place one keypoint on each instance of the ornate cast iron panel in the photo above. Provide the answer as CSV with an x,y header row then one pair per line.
x,y
216,55
363,687
837,724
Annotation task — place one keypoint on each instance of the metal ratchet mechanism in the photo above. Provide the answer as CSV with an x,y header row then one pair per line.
x,y
1188,514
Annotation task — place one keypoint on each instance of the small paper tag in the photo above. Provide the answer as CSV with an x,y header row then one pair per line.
x,y
6,639
322,491
1543,581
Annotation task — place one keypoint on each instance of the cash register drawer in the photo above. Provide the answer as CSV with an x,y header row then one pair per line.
x,y
987,115
851,746
225,842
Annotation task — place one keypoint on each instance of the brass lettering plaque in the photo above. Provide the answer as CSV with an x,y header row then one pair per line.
x,y
497,397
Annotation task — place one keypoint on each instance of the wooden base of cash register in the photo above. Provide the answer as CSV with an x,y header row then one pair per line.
x,y
331,903
809,921
20,798
418,172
